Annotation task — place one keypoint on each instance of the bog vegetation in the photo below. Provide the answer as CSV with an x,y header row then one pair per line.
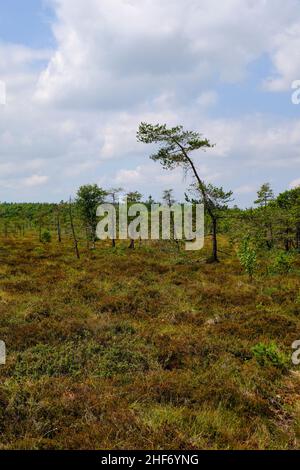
x,y
141,344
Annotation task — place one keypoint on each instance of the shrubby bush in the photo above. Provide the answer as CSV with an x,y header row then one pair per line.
x,y
269,354
46,236
282,263
247,256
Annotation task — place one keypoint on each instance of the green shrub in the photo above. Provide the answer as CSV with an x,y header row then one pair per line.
x,y
247,257
118,360
269,354
282,264
70,358
46,236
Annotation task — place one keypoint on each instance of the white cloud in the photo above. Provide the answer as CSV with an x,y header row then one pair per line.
x,y
35,180
115,53
295,183
246,189
72,113
286,59
207,98
147,178
129,177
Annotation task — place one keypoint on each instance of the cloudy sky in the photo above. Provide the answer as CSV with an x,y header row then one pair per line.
x,y
80,75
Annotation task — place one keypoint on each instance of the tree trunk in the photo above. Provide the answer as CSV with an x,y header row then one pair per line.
x,y
58,229
131,246
298,236
73,231
214,258
271,234
94,237
87,236
287,240
207,205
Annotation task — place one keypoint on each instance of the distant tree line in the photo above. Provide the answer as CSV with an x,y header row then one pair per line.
x,y
273,222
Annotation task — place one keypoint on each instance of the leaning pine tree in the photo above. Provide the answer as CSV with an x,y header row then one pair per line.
x,y
176,147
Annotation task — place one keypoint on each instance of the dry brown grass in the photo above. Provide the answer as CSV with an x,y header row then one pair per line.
x,y
144,349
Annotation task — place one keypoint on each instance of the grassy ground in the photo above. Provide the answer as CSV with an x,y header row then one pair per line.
x,y
145,349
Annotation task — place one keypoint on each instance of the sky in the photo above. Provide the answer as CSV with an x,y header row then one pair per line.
x,y
80,75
